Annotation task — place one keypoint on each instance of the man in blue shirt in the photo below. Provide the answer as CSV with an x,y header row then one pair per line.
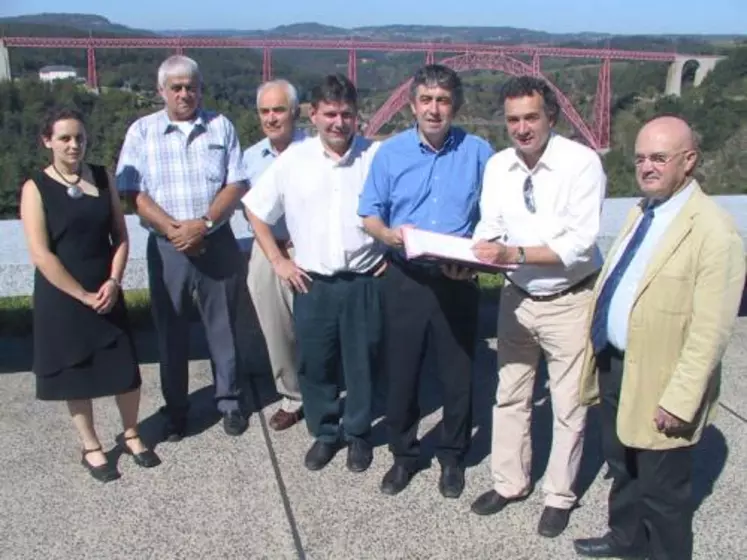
x,y
427,177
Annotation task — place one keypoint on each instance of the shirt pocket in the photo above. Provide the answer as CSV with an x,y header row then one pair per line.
x,y
215,163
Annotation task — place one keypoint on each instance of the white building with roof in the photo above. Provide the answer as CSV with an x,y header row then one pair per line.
x,y
57,72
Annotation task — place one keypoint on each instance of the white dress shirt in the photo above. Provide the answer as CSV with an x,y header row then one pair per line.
x,y
569,189
319,196
622,300
257,158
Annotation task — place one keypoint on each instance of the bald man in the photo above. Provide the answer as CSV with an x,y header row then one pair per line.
x,y
665,305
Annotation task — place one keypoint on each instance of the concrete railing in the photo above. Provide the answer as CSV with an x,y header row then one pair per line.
x,y
17,273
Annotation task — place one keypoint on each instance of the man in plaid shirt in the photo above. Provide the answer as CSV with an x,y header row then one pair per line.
x,y
181,168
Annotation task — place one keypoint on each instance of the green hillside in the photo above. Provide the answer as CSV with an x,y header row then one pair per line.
x,y
717,109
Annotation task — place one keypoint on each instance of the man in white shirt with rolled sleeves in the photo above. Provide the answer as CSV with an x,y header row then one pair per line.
x,y
540,209
334,272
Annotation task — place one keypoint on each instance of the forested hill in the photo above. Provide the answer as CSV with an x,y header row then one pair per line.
x,y
96,25
717,109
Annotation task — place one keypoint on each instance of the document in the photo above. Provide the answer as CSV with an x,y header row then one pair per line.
x,y
423,245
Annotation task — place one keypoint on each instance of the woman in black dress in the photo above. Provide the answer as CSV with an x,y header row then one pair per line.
x,y
77,237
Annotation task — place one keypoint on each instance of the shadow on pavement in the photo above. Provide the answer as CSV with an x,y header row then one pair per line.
x,y
709,458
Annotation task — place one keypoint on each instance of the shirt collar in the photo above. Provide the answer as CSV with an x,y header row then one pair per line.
x,y
167,126
671,205
547,160
345,159
268,150
426,149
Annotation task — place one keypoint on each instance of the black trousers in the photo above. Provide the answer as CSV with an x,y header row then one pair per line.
x,y
338,328
422,309
650,503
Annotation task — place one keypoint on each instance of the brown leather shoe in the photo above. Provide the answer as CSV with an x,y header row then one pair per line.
x,y
282,420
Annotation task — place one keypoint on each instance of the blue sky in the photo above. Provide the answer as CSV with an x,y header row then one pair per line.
x,y
612,16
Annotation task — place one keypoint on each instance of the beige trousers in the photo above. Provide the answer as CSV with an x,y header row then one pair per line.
x,y
526,327
273,302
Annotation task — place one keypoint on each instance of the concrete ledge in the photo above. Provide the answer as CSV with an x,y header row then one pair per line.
x,y
17,273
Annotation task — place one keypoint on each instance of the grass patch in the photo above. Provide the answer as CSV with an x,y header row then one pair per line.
x,y
16,317
490,285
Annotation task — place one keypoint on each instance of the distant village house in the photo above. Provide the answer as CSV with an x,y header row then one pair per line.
x,y
56,72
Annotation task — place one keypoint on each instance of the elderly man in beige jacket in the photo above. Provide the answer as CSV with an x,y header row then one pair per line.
x,y
665,305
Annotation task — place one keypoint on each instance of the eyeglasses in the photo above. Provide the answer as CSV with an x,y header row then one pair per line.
x,y
529,195
658,159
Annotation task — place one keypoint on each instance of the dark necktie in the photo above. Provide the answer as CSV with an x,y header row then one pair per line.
x,y
601,311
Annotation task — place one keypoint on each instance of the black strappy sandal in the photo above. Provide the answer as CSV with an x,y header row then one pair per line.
x,y
102,473
146,459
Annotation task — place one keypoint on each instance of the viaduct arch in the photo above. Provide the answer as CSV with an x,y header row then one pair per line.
x,y
483,61
674,76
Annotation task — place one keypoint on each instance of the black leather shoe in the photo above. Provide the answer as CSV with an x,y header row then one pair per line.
x,y
175,428
396,479
605,547
489,503
103,473
234,423
553,521
146,459
320,454
451,482
360,455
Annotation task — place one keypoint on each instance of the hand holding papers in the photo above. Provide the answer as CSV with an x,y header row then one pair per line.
x,y
446,249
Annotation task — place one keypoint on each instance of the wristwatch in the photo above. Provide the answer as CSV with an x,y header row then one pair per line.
x,y
522,256
208,222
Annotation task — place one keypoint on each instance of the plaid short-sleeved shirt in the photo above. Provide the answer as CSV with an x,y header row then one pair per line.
x,y
181,173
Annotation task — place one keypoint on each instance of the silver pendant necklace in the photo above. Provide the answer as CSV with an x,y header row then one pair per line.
x,y
73,189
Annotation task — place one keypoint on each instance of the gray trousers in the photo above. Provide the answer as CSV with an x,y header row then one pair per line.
x,y
215,280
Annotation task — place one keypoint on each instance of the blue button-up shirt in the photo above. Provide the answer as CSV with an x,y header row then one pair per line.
x,y
181,172
410,183
257,158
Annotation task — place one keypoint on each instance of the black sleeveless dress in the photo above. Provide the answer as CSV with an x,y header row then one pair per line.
x,y
79,354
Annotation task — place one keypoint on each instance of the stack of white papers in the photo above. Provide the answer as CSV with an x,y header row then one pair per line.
x,y
446,249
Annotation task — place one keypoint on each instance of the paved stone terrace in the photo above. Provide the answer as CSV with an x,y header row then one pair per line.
x,y
216,497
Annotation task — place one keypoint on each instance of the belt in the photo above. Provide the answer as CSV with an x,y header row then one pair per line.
x,y
418,268
210,233
580,285
614,352
347,274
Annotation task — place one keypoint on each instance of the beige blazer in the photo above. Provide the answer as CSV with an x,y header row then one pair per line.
x,y
680,323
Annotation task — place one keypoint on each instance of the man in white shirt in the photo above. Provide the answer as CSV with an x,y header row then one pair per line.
x,y
277,106
540,208
336,308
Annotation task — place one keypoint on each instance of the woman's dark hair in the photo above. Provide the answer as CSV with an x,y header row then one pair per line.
x,y
57,114
334,88
527,86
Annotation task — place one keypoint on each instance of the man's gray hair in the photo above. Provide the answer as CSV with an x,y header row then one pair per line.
x,y
290,92
177,65
438,75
